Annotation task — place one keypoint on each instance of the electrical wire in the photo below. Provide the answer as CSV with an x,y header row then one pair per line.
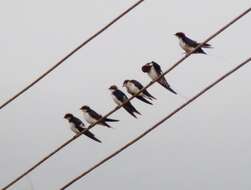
x,y
70,54
118,107
157,124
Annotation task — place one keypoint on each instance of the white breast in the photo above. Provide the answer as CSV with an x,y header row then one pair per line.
x,y
153,74
88,118
185,47
132,89
73,128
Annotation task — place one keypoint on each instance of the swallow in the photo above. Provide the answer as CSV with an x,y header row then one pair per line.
x,y
77,126
119,98
189,45
133,87
92,117
153,69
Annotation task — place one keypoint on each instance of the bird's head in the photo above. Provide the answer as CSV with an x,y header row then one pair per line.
x,y
68,116
125,82
146,68
84,108
180,34
113,87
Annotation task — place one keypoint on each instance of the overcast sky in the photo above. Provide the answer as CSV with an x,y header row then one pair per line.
x,y
206,146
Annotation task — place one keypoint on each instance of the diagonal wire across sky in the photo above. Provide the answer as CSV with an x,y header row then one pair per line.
x,y
89,39
155,126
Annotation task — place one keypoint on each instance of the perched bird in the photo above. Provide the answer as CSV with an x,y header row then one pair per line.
x,y
153,69
119,98
189,45
133,87
92,117
77,126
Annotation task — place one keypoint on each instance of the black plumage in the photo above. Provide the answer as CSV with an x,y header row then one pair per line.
x,y
140,86
189,44
92,117
134,87
119,98
77,126
154,71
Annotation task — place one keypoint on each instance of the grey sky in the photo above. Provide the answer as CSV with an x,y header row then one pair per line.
x,y
207,146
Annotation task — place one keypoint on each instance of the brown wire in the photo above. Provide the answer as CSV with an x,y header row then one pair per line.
x,y
70,54
50,70
157,124
118,107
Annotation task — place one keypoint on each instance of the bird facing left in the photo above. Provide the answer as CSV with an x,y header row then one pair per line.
x,y
77,126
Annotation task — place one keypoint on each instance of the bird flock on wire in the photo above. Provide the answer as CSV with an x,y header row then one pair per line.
x,y
133,87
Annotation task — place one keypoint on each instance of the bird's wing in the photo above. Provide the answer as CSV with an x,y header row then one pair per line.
x,y
94,114
148,94
80,128
91,135
77,121
206,45
190,42
162,80
143,99
111,120
120,95
132,108
157,68
137,84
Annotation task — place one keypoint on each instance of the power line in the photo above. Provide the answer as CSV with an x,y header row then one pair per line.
x,y
70,54
118,107
157,124
50,70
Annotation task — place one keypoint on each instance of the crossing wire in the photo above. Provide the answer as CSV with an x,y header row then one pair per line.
x,y
118,107
157,124
70,54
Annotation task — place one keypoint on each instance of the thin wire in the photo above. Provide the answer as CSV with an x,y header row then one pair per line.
x,y
157,124
70,54
50,70
118,107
